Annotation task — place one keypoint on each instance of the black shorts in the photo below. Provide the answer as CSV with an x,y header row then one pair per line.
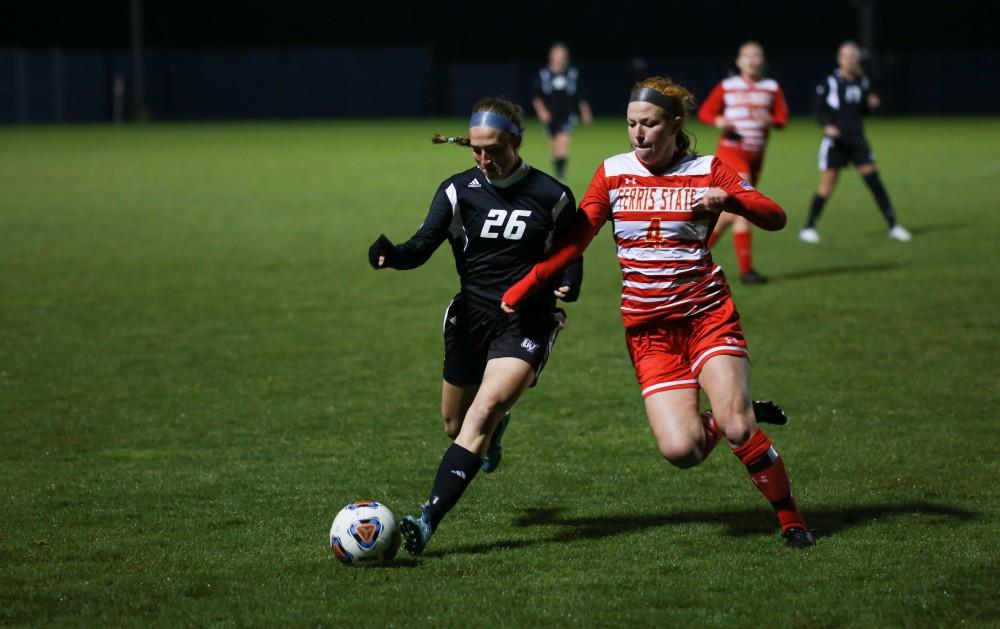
x,y
562,124
475,332
838,152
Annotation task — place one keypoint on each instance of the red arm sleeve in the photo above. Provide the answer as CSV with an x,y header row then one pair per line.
x,y
594,213
748,201
712,106
779,110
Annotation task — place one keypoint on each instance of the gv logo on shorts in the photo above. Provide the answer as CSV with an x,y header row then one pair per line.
x,y
529,345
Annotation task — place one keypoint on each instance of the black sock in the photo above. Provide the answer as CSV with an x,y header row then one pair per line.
x,y
874,184
458,468
560,164
814,210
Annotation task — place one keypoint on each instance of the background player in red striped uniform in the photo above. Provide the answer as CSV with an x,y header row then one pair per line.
x,y
744,107
682,329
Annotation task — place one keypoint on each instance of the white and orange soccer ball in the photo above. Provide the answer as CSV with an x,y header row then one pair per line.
x,y
364,533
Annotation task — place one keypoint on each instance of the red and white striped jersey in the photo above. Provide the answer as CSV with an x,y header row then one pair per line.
x,y
752,106
667,268
662,243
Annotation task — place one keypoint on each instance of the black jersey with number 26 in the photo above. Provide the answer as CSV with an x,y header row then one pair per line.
x,y
497,230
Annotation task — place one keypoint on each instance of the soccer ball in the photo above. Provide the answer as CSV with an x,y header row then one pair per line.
x,y
364,533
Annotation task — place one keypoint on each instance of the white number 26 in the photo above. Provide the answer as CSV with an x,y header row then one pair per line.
x,y
515,226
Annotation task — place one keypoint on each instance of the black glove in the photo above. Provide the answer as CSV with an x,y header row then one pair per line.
x,y
381,247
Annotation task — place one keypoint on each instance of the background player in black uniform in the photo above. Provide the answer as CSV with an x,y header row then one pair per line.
x,y
841,99
500,218
558,99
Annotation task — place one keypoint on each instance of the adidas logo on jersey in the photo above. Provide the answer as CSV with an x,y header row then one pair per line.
x,y
474,184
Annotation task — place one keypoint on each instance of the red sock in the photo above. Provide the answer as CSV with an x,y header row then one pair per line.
x,y
713,238
741,243
713,434
767,472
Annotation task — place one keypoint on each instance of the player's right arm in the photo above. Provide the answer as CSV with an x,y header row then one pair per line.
x,y
823,113
538,102
592,215
711,110
418,249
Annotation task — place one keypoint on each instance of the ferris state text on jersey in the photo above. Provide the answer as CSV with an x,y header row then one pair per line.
x,y
662,242
497,230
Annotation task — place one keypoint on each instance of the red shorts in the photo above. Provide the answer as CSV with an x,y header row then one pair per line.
x,y
671,355
747,164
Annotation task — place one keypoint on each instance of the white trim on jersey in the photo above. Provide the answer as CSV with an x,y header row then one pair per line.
x,y
674,303
824,147
457,229
832,95
714,350
677,253
664,385
629,164
520,173
662,272
649,285
556,211
679,230
444,322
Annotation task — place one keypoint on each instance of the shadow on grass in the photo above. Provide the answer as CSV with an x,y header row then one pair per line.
x,y
917,230
400,561
826,521
804,274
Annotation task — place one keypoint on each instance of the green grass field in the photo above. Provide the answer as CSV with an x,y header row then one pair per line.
x,y
198,369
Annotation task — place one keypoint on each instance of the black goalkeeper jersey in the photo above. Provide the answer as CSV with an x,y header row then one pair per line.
x,y
497,230
842,102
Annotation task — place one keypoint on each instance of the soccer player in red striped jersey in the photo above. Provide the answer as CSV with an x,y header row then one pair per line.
x,y
744,107
682,329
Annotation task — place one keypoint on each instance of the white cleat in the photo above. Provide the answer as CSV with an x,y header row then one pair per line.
x,y
810,235
900,233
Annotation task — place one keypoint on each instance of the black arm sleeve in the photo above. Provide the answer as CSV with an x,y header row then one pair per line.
x,y
821,111
432,233
572,275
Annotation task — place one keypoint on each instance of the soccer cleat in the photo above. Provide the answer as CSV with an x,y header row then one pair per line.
x,y
797,537
767,412
810,235
416,530
900,234
753,277
495,452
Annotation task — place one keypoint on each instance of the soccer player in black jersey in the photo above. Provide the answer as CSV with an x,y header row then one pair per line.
x,y
558,99
500,218
841,100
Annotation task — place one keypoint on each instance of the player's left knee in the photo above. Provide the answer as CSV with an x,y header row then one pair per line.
x,y
736,423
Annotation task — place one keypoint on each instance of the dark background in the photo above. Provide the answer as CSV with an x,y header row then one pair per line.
x,y
225,59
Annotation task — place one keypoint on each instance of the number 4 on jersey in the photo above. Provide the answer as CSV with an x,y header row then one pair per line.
x,y
653,231
514,228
